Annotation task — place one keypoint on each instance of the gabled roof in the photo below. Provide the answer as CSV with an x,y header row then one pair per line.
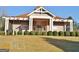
x,y
38,8
26,15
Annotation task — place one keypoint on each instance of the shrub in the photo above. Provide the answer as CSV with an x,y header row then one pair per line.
x,y
55,33
9,32
2,33
72,33
19,32
44,33
49,33
67,33
61,33
76,33
32,33
26,33
15,33
38,33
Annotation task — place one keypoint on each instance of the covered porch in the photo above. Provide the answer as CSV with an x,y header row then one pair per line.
x,y
17,25
61,26
41,25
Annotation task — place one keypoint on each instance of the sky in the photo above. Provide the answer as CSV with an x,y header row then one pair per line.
x,y
62,11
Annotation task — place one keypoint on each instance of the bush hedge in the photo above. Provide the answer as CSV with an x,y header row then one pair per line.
x,y
49,33
67,33
61,33
9,32
26,33
38,33
72,33
76,33
55,33
32,33
44,33
2,33
19,33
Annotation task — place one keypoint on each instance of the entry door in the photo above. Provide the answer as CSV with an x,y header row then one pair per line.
x,y
39,28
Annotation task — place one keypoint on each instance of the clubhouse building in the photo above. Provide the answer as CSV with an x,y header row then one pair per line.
x,y
40,20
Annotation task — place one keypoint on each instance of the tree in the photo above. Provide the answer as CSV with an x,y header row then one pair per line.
x,y
2,24
3,13
69,17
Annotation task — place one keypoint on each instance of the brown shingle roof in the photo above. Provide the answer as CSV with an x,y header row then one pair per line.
x,y
57,17
23,15
37,7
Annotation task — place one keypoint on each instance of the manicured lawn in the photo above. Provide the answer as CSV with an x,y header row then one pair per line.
x,y
39,43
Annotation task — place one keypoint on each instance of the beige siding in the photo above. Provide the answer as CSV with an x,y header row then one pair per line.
x,y
58,28
15,26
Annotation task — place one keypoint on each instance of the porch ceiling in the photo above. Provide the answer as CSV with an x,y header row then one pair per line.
x,y
61,23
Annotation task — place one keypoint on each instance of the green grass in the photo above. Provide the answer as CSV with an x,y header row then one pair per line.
x,y
32,43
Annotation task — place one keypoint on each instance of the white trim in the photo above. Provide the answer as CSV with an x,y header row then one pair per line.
x,y
33,11
39,16
20,18
25,18
11,18
15,18
49,12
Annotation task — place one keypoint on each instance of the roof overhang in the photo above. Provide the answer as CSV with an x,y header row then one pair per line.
x,y
15,18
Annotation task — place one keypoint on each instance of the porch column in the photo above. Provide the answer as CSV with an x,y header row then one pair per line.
x,y
71,25
50,27
6,25
13,28
65,27
30,24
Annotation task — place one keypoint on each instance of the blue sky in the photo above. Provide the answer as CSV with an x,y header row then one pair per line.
x,y
62,11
